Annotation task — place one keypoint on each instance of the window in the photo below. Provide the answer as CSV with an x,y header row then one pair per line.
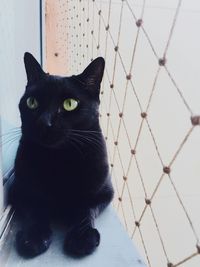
x,y
20,27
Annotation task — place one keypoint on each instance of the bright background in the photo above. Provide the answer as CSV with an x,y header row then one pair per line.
x,y
20,32
169,228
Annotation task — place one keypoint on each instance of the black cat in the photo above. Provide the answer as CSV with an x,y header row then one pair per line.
x,y
61,167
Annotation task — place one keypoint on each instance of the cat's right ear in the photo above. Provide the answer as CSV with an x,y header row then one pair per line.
x,y
34,71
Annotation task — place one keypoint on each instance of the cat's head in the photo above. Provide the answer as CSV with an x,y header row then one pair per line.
x,y
54,108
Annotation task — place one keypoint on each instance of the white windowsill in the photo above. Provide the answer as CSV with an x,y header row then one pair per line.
x,y
115,250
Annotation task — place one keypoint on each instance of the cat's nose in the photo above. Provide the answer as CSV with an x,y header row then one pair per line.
x,y
46,119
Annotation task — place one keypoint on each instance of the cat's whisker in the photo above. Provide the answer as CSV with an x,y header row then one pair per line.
x,y
10,136
90,138
9,140
83,228
93,138
73,142
83,224
10,133
85,131
82,140
9,146
6,135
4,142
85,134
11,143
91,141
14,128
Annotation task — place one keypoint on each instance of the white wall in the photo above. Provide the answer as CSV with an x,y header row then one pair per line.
x,y
168,116
20,32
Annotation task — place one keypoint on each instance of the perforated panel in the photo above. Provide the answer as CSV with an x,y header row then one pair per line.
x,y
149,95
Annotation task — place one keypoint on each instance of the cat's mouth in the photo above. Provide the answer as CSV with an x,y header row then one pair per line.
x,y
53,143
49,139
50,144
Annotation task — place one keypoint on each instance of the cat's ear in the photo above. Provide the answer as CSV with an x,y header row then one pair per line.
x,y
93,74
34,71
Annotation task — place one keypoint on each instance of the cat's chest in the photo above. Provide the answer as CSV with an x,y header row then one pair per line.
x,y
60,179
59,171
62,168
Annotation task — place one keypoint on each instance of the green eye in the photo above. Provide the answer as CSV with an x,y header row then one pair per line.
x,y
70,104
32,103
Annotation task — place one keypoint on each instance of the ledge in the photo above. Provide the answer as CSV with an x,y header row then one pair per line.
x,y
115,250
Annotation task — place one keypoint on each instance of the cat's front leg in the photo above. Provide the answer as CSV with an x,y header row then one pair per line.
x,y
34,238
82,238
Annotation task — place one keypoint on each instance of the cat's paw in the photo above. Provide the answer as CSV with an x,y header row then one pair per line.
x,y
30,244
80,244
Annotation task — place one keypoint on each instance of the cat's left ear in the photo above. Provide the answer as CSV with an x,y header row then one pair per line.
x,y
93,74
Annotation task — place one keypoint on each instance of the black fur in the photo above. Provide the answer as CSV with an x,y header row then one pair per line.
x,y
61,168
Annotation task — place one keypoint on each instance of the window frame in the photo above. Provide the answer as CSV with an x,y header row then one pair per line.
x,y
6,211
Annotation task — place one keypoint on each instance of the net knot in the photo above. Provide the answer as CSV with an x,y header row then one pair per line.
x,y
195,120
162,61
143,115
120,114
137,223
128,76
147,201
133,151
116,48
139,22
125,178
116,143
166,169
